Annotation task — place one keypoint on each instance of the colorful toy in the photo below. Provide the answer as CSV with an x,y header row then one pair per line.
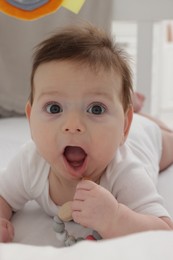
x,y
63,236
64,215
34,9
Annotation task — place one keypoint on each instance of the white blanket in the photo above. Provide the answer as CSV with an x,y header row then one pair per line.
x,y
35,237
144,246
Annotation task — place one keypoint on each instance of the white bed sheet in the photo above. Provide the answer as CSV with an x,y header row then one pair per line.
x,y
33,228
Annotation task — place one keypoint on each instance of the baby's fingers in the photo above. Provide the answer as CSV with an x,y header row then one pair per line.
x,y
80,195
85,185
6,231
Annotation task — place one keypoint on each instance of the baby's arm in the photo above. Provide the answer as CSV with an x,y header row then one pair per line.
x,y
95,207
6,227
129,221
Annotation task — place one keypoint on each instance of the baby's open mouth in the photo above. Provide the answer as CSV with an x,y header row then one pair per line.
x,y
75,156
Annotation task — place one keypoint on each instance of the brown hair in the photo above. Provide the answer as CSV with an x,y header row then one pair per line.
x,y
89,45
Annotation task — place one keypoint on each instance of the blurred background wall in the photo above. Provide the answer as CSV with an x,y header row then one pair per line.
x,y
143,28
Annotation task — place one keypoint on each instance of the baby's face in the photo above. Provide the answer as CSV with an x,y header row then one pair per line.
x,y
77,119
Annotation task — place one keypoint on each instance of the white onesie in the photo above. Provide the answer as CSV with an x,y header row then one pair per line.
x,y
131,176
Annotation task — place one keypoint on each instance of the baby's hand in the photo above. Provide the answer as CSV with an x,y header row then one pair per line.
x,y
6,230
94,206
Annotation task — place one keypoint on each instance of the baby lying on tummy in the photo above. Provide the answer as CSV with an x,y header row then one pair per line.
x,y
85,146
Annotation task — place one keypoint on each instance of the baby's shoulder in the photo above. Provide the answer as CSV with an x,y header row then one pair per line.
x,y
29,162
29,154
123,163
34,167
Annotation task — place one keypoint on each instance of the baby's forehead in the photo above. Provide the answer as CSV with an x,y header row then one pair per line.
x,y
81,65
73,77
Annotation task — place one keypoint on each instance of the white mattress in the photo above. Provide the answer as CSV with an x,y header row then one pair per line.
x,y
33,228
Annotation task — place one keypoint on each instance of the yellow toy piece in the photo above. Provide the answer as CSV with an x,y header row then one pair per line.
x,y
30,10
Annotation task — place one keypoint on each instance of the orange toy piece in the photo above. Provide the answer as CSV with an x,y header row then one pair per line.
x,y
50,7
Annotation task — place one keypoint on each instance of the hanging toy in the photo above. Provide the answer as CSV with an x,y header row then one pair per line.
x,y
34,9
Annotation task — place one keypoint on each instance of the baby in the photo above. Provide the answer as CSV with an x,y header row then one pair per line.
x,y
80,112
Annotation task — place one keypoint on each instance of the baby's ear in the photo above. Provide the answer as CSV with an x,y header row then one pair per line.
x,y
127,121
28,110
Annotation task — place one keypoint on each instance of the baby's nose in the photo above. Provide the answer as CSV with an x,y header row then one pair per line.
x,y
74,124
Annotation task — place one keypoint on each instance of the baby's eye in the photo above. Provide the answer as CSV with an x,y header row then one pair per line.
x,y
96,109
53,108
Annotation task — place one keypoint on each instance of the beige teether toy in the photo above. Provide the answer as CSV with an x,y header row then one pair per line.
x,y
65,211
